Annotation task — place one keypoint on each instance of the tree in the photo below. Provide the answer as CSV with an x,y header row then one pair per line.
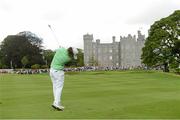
x,y
24,61
162,44
35,56
15,47
80,58
1,65
48,56
32,38
79,61
176,62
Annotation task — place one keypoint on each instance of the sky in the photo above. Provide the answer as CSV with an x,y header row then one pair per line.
x,y
71,19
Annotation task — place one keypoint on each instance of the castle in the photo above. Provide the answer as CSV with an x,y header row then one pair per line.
x,y
125,54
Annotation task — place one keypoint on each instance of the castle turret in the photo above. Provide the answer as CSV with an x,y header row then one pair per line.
x,y
88,48
140,36
139,46
98,41
114,39
88,37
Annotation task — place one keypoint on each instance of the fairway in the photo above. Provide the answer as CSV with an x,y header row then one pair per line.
x,y
88,95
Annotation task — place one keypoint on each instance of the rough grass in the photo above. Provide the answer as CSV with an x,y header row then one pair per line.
x,y
100,95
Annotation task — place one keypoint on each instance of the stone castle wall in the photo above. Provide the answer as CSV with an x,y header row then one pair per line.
x,y
126,53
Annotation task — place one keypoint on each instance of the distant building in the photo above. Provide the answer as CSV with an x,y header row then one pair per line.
x,y
125,54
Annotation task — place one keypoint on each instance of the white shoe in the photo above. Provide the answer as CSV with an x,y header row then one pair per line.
x,y
59,108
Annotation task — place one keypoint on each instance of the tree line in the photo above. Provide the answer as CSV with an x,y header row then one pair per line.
x,y
25,50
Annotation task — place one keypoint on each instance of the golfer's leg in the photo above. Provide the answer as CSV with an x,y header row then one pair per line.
x,y
59,87
54,88
53,79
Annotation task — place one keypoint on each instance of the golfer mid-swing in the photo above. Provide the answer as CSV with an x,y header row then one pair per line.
x,y
61,57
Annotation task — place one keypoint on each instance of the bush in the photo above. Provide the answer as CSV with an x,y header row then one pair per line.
x,y
177,70
44,66
35,66
1,66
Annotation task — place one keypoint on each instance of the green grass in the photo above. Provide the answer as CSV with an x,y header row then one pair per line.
x,y
100,95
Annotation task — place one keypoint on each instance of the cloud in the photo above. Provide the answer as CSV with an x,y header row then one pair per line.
x,y
5,6
52,16
155,10
73,18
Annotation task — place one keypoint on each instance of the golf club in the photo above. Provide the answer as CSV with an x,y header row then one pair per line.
x,y
55,37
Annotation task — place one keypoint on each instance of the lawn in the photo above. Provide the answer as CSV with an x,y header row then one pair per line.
x,y
90,95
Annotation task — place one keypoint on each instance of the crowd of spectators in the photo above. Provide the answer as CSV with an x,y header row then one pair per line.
x,y
97,68
72,69
24,71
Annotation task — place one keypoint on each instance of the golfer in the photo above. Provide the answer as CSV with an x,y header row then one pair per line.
x,y
61,57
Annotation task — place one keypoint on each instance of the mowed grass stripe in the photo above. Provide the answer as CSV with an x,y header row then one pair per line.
x,y
114,94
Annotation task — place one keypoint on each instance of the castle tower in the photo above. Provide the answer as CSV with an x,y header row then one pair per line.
x,y
115,52
127,51
140,45
88,49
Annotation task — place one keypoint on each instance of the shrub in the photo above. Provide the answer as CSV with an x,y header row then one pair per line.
x,y
35,66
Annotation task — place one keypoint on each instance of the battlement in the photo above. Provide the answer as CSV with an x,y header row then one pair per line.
x,y
88,37
128,38
140,36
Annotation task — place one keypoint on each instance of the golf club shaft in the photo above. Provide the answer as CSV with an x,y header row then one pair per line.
x,y
55,37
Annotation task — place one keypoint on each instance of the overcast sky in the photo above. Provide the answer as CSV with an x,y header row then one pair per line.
x,y
71,19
